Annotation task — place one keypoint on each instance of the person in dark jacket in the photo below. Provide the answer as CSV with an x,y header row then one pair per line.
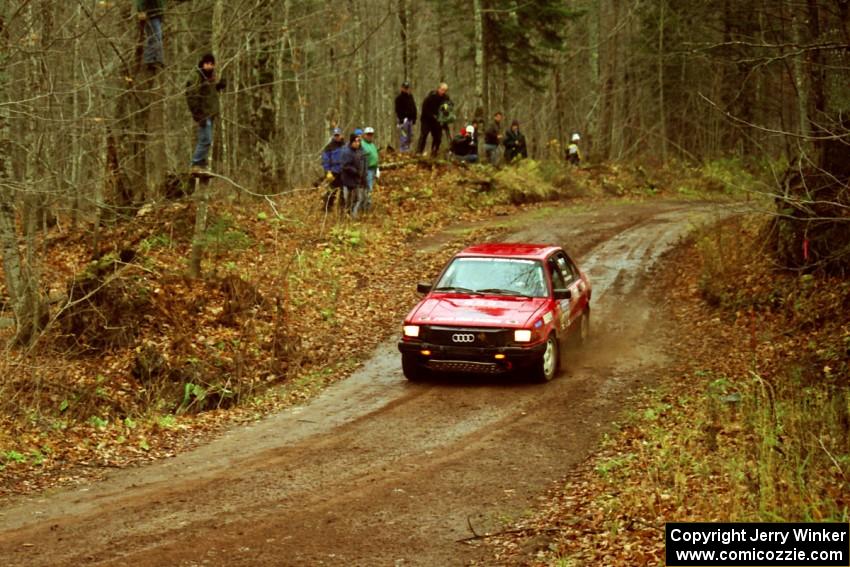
x,y
149,13
405,112
332,164
493,139
428,121
515,145
353,175
202,90
463,146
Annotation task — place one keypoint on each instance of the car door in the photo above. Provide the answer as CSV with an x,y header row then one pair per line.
x,y
562,306
574,283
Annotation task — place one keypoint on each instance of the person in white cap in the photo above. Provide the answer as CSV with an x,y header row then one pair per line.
x,y
573,153
370,153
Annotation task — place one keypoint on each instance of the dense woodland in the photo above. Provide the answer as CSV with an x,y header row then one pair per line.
x,y
88,133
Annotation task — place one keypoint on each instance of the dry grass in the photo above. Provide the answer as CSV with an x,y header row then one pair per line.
x,y
751,424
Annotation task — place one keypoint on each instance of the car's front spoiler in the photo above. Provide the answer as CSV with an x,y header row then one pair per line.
x,y
450,358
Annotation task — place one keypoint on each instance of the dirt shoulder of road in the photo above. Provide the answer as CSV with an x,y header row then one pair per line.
x,y
747,423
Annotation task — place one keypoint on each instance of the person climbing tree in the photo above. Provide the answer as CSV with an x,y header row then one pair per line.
x,y
149,13
202,90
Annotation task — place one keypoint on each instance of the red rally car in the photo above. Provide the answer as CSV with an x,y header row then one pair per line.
x,y
496,308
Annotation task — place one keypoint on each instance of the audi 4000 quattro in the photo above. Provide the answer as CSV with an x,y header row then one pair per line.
x,y
497,308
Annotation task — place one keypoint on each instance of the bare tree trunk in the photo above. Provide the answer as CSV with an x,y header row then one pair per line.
x,y
358,62
479,110
609,74
799,73
404,21
441,47
202,199
412,47
220,149
300,97
281,107
77,158
558,101
21,285
662,109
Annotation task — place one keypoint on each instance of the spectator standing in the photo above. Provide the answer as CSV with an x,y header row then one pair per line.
x,y
515,145
353,175
332,164
573,152
428,122
370,152
405,112
202,90
493,139
149,13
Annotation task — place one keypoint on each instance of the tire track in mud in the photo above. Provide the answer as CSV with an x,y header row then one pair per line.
x,y
377,470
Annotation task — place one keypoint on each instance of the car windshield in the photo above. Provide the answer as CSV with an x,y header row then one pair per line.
x,y
503,276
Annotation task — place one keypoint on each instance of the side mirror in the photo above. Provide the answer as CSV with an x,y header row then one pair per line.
x,y
423,287
562,294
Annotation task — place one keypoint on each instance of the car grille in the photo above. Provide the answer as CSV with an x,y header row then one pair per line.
x,y
474,337
466,366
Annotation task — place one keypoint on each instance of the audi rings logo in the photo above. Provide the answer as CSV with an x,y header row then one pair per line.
x,y
463,338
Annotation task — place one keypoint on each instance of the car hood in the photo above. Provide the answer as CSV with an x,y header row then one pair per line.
x,y
487,311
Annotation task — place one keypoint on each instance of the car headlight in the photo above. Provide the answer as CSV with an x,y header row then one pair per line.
x,y
522,336
411,330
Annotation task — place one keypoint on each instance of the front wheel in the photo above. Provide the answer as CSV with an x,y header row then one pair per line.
x,y
546,367
412,369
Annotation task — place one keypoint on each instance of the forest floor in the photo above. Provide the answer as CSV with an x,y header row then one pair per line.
x,y
141,362
369,469
749,421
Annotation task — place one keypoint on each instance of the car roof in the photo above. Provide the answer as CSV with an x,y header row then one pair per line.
x,y
509,250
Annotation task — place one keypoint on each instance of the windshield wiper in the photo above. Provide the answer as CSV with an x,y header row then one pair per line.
x,y
499,291
457,289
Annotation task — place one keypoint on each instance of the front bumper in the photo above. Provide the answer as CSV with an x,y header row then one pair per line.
x,y
479,360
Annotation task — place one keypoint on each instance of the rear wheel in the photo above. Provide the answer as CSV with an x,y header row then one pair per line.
x,y
547,366
412,369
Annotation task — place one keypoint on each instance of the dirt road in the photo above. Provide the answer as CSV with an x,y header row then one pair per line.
x,y
378,471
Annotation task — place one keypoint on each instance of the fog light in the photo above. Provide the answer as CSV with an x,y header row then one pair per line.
x,y
500,357
426,352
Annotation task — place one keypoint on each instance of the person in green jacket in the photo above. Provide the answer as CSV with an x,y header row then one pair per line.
x,y
149,13
202,90
370,152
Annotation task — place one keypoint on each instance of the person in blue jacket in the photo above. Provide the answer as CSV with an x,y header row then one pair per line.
x,y
332,164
